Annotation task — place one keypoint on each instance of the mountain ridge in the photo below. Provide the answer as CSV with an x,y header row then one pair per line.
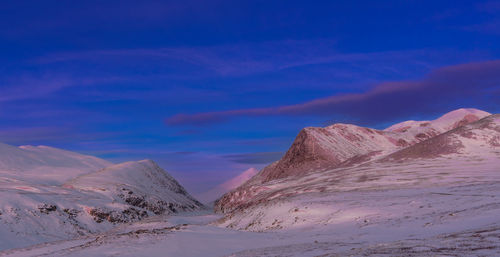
x,y
321,148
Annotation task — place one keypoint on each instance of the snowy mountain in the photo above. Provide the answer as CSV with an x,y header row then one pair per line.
x,y
227,186
50,194
141,184
344,144
355,158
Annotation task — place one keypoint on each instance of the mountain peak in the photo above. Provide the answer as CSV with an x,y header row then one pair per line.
x,y
459,118
448,121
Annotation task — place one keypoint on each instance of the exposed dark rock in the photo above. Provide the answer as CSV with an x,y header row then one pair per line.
x,y
47,208
127,215
72,213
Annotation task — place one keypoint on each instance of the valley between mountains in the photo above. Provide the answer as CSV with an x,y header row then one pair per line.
x,y
417,188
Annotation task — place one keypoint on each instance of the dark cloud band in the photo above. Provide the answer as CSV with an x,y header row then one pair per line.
x,y
470,83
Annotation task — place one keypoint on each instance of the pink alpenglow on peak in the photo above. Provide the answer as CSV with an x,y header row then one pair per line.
x,y
240,179
227,186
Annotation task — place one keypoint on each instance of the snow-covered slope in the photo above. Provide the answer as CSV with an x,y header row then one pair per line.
x,y
372,192
141,184
421,130
227,186
392,193
480,137
49,194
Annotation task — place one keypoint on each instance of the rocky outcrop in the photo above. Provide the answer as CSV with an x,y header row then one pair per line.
x,y
322,148
143,185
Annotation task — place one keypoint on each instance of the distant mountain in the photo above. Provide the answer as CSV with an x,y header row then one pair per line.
x,y
325,161
50,194
216,192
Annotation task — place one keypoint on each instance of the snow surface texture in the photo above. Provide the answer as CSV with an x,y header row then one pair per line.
x,y
458,217
50,194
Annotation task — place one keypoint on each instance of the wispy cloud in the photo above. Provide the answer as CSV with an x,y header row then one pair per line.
x,y
225,60
241,59
385,101
31,86
26,87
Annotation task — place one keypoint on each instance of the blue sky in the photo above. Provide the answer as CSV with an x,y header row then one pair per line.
x,y
210,88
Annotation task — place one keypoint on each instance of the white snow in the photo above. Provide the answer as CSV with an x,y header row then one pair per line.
x,y
442,207
446,121
441,124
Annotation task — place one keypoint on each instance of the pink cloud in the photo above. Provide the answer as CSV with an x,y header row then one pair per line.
x,y
470,81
